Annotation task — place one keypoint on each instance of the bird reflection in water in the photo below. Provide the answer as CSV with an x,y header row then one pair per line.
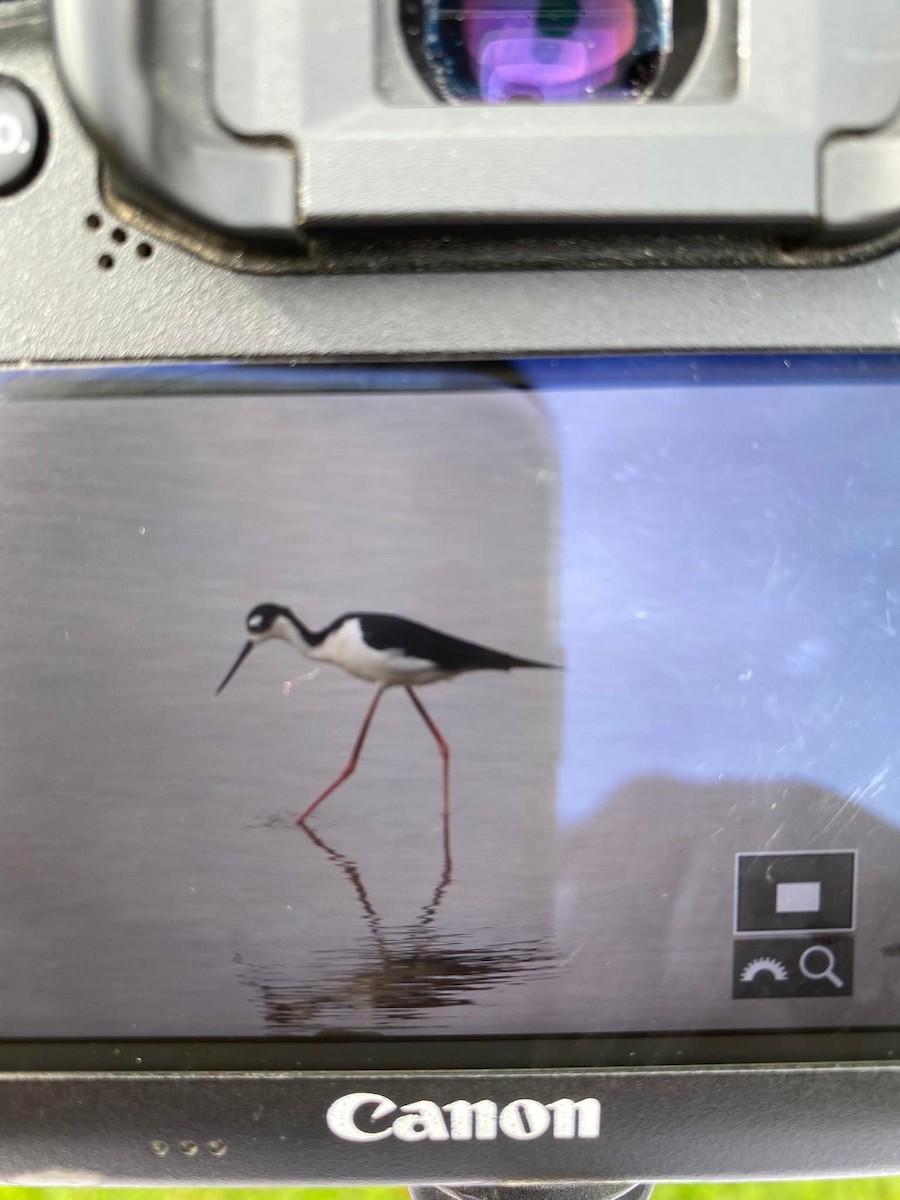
x,y
390,976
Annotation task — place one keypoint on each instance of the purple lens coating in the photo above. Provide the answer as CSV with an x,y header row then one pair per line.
x,y
547,52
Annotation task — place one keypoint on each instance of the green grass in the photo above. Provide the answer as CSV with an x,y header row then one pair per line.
x,y
806,1189
835,1189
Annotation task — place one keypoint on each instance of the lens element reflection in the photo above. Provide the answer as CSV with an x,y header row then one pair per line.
x,y
544,51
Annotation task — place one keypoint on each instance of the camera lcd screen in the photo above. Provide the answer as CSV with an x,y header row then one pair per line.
x,y
582,679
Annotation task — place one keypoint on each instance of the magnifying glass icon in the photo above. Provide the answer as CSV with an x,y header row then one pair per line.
x,y
827,970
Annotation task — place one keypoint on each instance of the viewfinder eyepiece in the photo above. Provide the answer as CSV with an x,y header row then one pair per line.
x,y
542,51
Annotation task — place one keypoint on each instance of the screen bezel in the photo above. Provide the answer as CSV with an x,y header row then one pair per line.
x,y
591,1051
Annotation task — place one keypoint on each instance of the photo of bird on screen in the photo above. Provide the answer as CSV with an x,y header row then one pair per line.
x,y
386,650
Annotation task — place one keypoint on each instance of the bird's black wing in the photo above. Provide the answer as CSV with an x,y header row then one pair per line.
x,y
383,631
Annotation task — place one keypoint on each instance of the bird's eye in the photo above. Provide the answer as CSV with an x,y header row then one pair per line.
x,y
256,623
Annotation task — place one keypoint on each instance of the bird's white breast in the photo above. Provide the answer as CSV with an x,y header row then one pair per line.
x,y
346,648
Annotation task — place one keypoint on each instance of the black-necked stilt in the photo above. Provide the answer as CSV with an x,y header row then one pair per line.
x,y
383,649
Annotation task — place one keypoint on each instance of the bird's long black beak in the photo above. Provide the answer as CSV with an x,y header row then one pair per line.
x,y
240,658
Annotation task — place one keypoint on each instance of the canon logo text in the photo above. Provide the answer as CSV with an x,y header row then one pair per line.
x,y
369,1117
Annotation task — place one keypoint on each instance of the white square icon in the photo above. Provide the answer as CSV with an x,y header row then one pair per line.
x,y
798,897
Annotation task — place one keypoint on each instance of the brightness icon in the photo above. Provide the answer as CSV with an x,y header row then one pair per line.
x,y
768,966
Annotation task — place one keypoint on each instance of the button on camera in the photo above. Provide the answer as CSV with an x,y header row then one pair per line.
x,y
784,968
795,891
21,137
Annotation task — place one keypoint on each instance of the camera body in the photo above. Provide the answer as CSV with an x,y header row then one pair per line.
x,y
215,203
525,280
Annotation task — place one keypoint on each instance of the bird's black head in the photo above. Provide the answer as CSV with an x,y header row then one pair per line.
x,y
264,622
261,621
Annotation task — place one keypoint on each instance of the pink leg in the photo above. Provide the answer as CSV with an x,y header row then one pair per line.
x,y
445,759
351,765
